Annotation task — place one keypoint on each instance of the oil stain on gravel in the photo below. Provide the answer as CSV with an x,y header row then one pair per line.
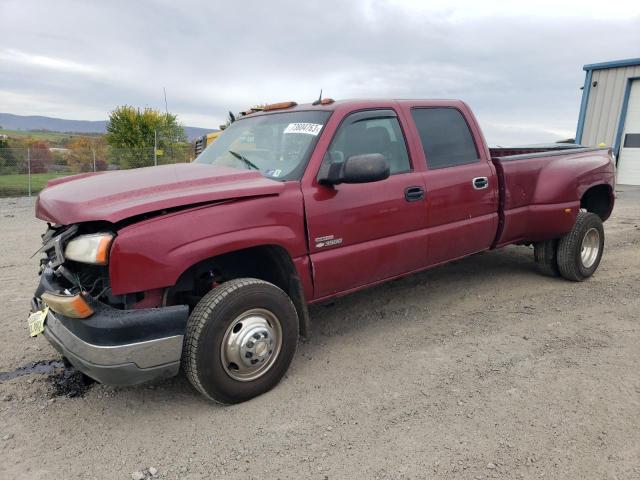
x,y
41,367
69,383
63,380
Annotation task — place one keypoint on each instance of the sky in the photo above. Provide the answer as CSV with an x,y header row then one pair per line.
x,y
517,64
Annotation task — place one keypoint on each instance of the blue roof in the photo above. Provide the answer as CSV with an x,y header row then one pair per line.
x,y
630,62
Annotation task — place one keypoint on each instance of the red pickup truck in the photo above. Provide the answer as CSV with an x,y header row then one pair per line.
x,y
211,265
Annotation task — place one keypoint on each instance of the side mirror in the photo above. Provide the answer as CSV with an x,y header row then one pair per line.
x,y
370,167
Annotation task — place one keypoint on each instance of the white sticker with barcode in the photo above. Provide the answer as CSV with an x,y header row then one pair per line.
x,y
308,128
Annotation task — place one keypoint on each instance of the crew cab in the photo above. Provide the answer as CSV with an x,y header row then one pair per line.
x,y
211,265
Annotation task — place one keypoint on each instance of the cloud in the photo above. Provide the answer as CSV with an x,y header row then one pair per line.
x,y
461,10
47,63
518,66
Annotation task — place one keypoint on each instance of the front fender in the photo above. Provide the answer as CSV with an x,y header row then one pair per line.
x,y
153,254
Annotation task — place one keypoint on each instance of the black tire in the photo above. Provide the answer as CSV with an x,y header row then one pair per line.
x,y
209,325
570,259
545,254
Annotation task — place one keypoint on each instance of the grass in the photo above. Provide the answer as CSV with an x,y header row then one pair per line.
x,y
17,185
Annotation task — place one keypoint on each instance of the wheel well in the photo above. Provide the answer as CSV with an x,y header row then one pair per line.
x,y
270,263
598,200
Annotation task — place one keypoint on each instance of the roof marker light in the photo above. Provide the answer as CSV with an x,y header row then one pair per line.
x,y
279,106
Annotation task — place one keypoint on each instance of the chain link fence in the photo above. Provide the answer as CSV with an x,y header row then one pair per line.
x,y
26,171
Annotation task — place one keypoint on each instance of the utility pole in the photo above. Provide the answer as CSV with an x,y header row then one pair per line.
x,y
166,109
155,147
94,159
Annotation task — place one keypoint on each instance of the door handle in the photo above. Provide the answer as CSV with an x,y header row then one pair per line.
x,y
480,182
413,194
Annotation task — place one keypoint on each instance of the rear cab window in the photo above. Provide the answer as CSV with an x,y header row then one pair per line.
x,y
446,138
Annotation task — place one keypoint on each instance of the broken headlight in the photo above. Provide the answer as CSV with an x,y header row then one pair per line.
x,y
93,248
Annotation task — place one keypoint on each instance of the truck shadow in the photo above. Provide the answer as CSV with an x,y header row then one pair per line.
x,y
437,289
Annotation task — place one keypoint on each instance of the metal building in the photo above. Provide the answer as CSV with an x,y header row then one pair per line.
x,y
610,113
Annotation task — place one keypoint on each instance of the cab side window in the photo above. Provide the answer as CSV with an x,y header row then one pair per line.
x,y
445,136
371,134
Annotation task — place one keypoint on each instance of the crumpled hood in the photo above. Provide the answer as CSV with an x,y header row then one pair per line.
x,y
115,196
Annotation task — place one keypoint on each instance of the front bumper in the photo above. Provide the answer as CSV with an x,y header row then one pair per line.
x,y
120,365
118,347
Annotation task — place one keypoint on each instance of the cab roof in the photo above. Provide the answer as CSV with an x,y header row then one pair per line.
x,y
357,104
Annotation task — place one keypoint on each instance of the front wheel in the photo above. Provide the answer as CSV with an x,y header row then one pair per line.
x,y
240,340
580,250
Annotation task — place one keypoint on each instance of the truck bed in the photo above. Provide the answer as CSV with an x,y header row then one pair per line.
x,y
504,152
536,202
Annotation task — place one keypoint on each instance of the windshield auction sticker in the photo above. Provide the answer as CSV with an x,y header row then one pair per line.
x,y
308,128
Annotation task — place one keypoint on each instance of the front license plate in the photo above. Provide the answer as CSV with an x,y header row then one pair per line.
x,y
36,322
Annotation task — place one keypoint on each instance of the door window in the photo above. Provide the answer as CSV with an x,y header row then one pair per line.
x,y
366,132
445,136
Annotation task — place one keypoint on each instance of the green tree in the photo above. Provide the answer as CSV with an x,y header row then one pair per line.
x,y
131,134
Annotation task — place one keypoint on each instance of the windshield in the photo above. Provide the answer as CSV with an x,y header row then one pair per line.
x,y
277,144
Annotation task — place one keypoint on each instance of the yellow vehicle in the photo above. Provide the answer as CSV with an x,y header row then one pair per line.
x,y
205,140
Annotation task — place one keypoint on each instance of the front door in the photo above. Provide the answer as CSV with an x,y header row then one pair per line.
x,y
363,233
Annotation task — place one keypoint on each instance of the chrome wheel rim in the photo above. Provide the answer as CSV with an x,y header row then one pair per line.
x,y
590,247
251,345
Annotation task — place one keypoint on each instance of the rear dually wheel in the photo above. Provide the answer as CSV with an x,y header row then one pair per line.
x,y
545,255
580,250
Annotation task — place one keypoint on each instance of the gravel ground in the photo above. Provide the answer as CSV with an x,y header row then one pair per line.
x,y
478,369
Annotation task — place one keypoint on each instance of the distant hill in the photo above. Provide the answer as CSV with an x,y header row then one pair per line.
x,y
9,121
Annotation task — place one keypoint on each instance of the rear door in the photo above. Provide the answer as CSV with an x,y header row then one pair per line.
x,y
362,233
461,185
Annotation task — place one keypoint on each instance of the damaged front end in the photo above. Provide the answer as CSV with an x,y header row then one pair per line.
x,y
103,335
